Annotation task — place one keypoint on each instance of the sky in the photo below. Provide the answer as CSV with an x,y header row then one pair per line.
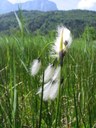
x,y
69,4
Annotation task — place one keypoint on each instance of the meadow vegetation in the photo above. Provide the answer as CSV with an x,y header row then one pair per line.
x,y
20,106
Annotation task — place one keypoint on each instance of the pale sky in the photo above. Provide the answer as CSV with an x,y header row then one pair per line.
x,y
69,4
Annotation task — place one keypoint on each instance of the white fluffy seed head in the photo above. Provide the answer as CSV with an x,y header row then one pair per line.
x,y
56,75
36,65
50,90
64,35
49,71
46,90
54,90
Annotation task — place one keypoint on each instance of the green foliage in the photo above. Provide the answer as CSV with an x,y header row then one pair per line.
x,y
44,22
19,104
89,34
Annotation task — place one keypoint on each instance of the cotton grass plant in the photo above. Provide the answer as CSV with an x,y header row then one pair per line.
x,y
53,73
73,106
62,89
35,67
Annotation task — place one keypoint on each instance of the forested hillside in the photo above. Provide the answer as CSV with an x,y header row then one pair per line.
x,y
44,22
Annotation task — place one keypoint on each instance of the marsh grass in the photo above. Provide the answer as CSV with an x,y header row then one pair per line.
x,y
19,104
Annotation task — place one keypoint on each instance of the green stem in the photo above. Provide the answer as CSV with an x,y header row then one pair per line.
x,y
89,112
44,49
75,104
40,117
74,95
58,103
82,115
58,106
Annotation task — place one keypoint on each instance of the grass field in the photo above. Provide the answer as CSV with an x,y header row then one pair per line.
x,y
20,107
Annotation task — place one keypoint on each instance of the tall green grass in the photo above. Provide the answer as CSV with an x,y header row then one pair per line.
x,y
20,106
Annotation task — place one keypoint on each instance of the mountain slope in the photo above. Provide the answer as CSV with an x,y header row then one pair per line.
x,y
41,5
45,22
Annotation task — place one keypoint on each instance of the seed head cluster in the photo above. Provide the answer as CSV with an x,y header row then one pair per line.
x,y
52,74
